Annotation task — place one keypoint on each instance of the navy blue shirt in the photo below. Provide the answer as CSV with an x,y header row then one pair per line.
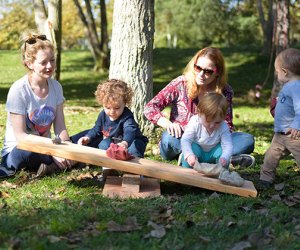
x,y
125,128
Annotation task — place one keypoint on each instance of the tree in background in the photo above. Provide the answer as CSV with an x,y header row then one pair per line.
x,y
132,52
98,46
73,35
267,24
281,35
16,17
50,23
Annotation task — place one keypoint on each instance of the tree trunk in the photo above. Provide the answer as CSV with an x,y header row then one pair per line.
x,y
132,52
99,50
50,25
281,35
104,35
267,25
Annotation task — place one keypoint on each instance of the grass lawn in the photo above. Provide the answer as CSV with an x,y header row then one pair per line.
x,y
68,211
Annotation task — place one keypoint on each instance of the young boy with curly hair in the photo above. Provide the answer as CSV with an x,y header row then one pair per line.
x,y
115,123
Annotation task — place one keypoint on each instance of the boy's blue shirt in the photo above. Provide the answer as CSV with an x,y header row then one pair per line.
x,y
124,128
287,111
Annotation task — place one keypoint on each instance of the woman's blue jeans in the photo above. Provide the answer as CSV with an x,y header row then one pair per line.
x,y
170,147
18,158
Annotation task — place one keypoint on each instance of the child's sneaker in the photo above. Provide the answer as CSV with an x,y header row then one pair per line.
x,y
243,160
264,184
5,172
179,163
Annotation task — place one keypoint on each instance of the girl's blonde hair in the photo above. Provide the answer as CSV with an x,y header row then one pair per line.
x,y
112,91
213,105
32,42
290,60
215,55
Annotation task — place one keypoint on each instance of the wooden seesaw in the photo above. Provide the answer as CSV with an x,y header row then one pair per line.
x,y
137,166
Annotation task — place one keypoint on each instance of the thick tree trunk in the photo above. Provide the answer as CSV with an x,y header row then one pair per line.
x,y
132,51
50,25
281,36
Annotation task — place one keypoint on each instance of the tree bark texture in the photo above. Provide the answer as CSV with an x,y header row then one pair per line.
x,y
132,52
267,25
50,24
282,27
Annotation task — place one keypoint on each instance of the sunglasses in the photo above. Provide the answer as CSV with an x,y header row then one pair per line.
x,y
207,72
33,40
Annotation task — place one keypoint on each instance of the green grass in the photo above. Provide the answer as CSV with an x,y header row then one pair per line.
x,y
66,211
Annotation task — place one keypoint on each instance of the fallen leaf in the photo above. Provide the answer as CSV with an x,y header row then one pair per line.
x,y
241,245
231,224
129,225
244,208
84,176
53,238
204,239
276,197
158,231
4,194
214,195
289,202
279,186
6,184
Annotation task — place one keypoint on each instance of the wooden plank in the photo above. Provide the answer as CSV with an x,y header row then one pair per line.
x,y
139,166
131,182
149,187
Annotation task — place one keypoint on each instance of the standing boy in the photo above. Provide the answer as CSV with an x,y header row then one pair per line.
x,y
287,116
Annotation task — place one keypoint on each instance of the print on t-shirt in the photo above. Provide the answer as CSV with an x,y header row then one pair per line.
x,y
40,120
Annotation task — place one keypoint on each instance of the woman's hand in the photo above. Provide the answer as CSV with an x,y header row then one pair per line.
x,y
174,129
84,140
191,160
63,163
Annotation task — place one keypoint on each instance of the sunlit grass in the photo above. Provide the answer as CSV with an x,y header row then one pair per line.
x,y
65,211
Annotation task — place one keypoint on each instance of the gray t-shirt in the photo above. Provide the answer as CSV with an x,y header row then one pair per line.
x,y
39,112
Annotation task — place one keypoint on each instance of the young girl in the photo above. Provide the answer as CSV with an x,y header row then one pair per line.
x,y
115,123
205,72
207,137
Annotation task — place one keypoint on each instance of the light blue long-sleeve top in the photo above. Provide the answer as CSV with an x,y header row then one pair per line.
x,y
287,111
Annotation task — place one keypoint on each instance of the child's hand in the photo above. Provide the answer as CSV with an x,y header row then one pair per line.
x,y
123,144
223,161
295,134
191,160
83,140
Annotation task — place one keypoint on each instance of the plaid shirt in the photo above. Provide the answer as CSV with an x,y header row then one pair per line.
x,y
182,107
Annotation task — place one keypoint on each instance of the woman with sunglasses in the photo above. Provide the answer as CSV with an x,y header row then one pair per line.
x,y
34,103
204,73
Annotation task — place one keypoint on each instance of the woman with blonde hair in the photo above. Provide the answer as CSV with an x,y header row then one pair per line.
x,y
205,72
34,103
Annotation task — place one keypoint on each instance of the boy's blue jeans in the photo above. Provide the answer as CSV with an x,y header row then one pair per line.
x,y
137,148
170,147
211,156
19,158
